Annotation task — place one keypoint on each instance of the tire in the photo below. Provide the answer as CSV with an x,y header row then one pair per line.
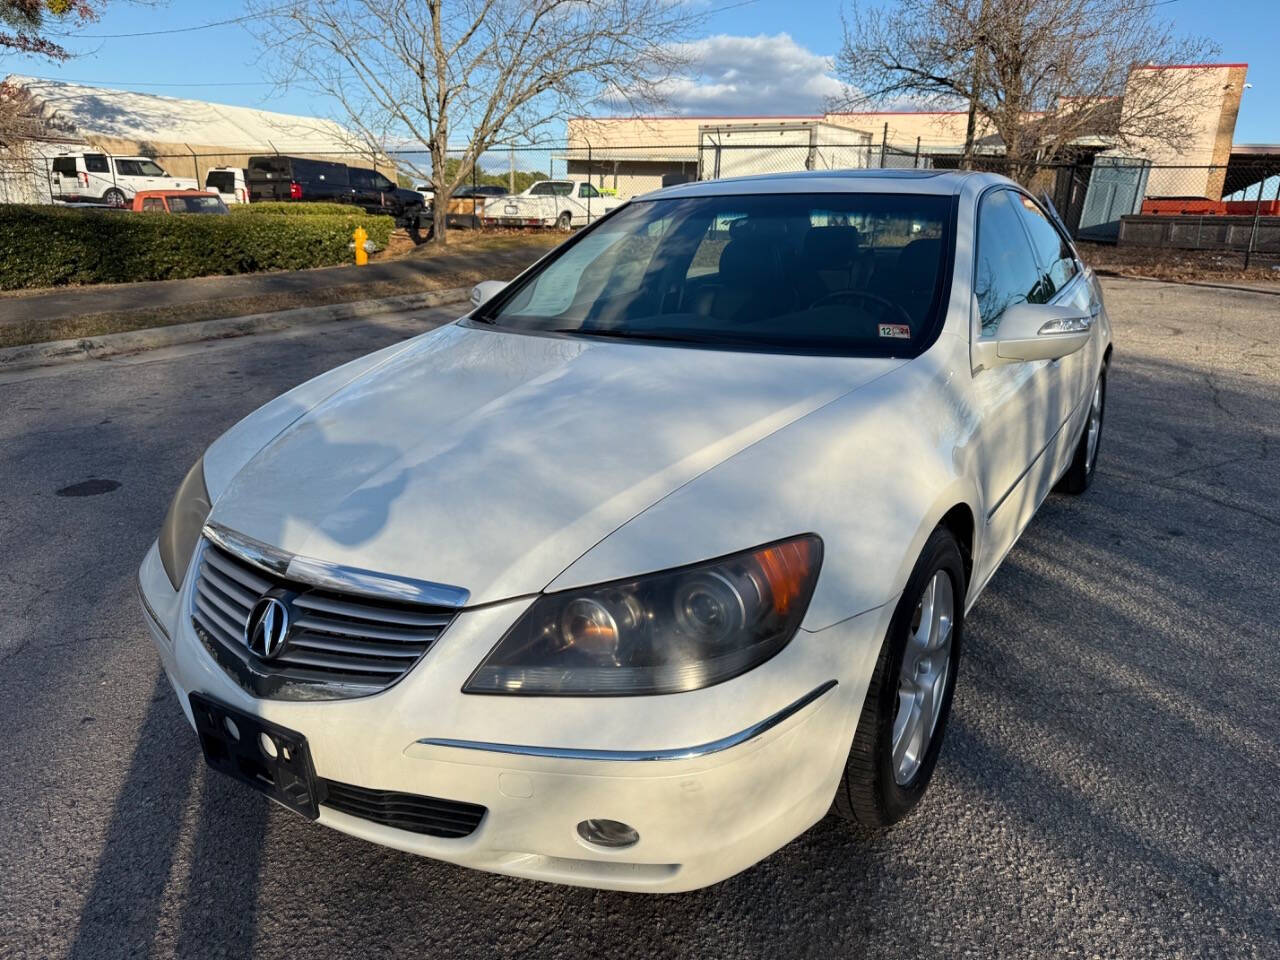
x,y
114,197
1085,461
564,223
878,790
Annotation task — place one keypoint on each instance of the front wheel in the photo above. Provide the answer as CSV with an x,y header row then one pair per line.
x,y
904,715
1085,461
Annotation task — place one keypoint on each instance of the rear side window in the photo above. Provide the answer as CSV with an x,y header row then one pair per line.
x,y
64,166
1007,272
128,168
96,163
1052,250
271,167
196,203
152,205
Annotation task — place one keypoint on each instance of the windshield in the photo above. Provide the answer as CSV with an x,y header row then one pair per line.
x,y
857,273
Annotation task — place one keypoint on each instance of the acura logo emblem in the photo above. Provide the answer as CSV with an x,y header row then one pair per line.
x,y
268,626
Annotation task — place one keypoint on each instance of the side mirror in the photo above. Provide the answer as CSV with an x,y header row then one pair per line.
x,y
485,290
1034,331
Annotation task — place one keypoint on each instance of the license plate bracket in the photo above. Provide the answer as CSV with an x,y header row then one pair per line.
x,y
233,743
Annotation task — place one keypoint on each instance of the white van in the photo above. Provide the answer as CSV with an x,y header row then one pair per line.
x,y
102,178
228,183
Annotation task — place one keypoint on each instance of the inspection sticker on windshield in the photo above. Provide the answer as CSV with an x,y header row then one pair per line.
x,y
898,330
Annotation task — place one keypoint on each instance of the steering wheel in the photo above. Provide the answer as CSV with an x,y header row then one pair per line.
x,y
844,296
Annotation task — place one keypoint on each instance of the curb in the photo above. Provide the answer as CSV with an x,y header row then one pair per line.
x,y
58,352
1113,275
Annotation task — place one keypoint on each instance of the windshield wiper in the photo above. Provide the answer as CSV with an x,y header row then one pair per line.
x,y
661,336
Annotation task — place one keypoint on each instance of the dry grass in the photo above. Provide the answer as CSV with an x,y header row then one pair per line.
x,y
1208,266
96,324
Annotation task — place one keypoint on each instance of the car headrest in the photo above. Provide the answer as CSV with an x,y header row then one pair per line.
x,y
752,261
918,261
831,248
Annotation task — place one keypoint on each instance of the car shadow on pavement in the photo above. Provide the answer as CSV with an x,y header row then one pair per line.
x,y
163,791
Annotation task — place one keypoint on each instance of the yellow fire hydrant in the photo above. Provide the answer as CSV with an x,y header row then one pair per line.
x,y
362,255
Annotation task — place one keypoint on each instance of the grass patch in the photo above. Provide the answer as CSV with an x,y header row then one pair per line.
x,y
1162,263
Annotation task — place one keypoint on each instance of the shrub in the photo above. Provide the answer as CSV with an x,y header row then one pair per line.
x,y
297,209
45,246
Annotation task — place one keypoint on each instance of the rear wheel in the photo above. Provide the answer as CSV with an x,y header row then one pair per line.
x,y
1085,461
904,715
565,223
114,197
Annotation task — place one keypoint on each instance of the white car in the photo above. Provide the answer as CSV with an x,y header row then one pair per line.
x,y
103,178
228,183
563,204
624,578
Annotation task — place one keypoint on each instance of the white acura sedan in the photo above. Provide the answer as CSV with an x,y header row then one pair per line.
x,y
633,573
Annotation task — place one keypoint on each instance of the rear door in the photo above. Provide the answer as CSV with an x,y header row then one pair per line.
x,y
64,182
268,178
363,189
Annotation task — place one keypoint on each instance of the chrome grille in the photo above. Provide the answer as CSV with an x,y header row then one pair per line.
x,y
338,644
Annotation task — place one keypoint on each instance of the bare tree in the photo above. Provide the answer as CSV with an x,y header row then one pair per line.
x,y
485,72
1040,73
25,30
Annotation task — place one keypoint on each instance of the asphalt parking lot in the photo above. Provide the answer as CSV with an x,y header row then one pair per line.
x,y
1108,787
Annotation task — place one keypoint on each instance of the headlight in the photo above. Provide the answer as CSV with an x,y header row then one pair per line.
x,y
183,523
663,633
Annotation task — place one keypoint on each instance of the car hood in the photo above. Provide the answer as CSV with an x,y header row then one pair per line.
x,y
491,461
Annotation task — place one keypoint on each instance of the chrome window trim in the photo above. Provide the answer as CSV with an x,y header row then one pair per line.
x,y
675,753
334,576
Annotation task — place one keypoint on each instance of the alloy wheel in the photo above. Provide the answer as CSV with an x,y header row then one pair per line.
x,y
1095,425
926,665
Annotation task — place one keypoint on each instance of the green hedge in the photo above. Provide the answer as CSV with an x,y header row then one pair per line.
x,y
46,246
296,209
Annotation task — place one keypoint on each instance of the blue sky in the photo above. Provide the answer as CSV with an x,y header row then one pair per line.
x,y
764,56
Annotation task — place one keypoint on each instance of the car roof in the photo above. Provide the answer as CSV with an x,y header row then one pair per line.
x,y
937,182
189,192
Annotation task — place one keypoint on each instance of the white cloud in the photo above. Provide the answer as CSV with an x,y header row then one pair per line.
x,y
733,75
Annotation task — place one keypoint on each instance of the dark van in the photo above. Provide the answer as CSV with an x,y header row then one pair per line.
x,y
323,181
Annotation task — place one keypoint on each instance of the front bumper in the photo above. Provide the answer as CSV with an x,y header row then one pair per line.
x,y
713,780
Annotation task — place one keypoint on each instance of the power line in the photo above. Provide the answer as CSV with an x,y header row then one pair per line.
x,y
158,33
148,83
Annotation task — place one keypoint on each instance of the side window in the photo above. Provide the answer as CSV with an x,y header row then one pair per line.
x,y
1052,251
1006,271
128,168
561,189
382,183
65,166
152,205
95,163
587,190
541,190
360,178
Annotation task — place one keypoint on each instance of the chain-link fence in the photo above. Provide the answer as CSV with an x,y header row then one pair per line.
x,y
1231,207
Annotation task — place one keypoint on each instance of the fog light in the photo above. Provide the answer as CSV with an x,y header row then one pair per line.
x,y
608,833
